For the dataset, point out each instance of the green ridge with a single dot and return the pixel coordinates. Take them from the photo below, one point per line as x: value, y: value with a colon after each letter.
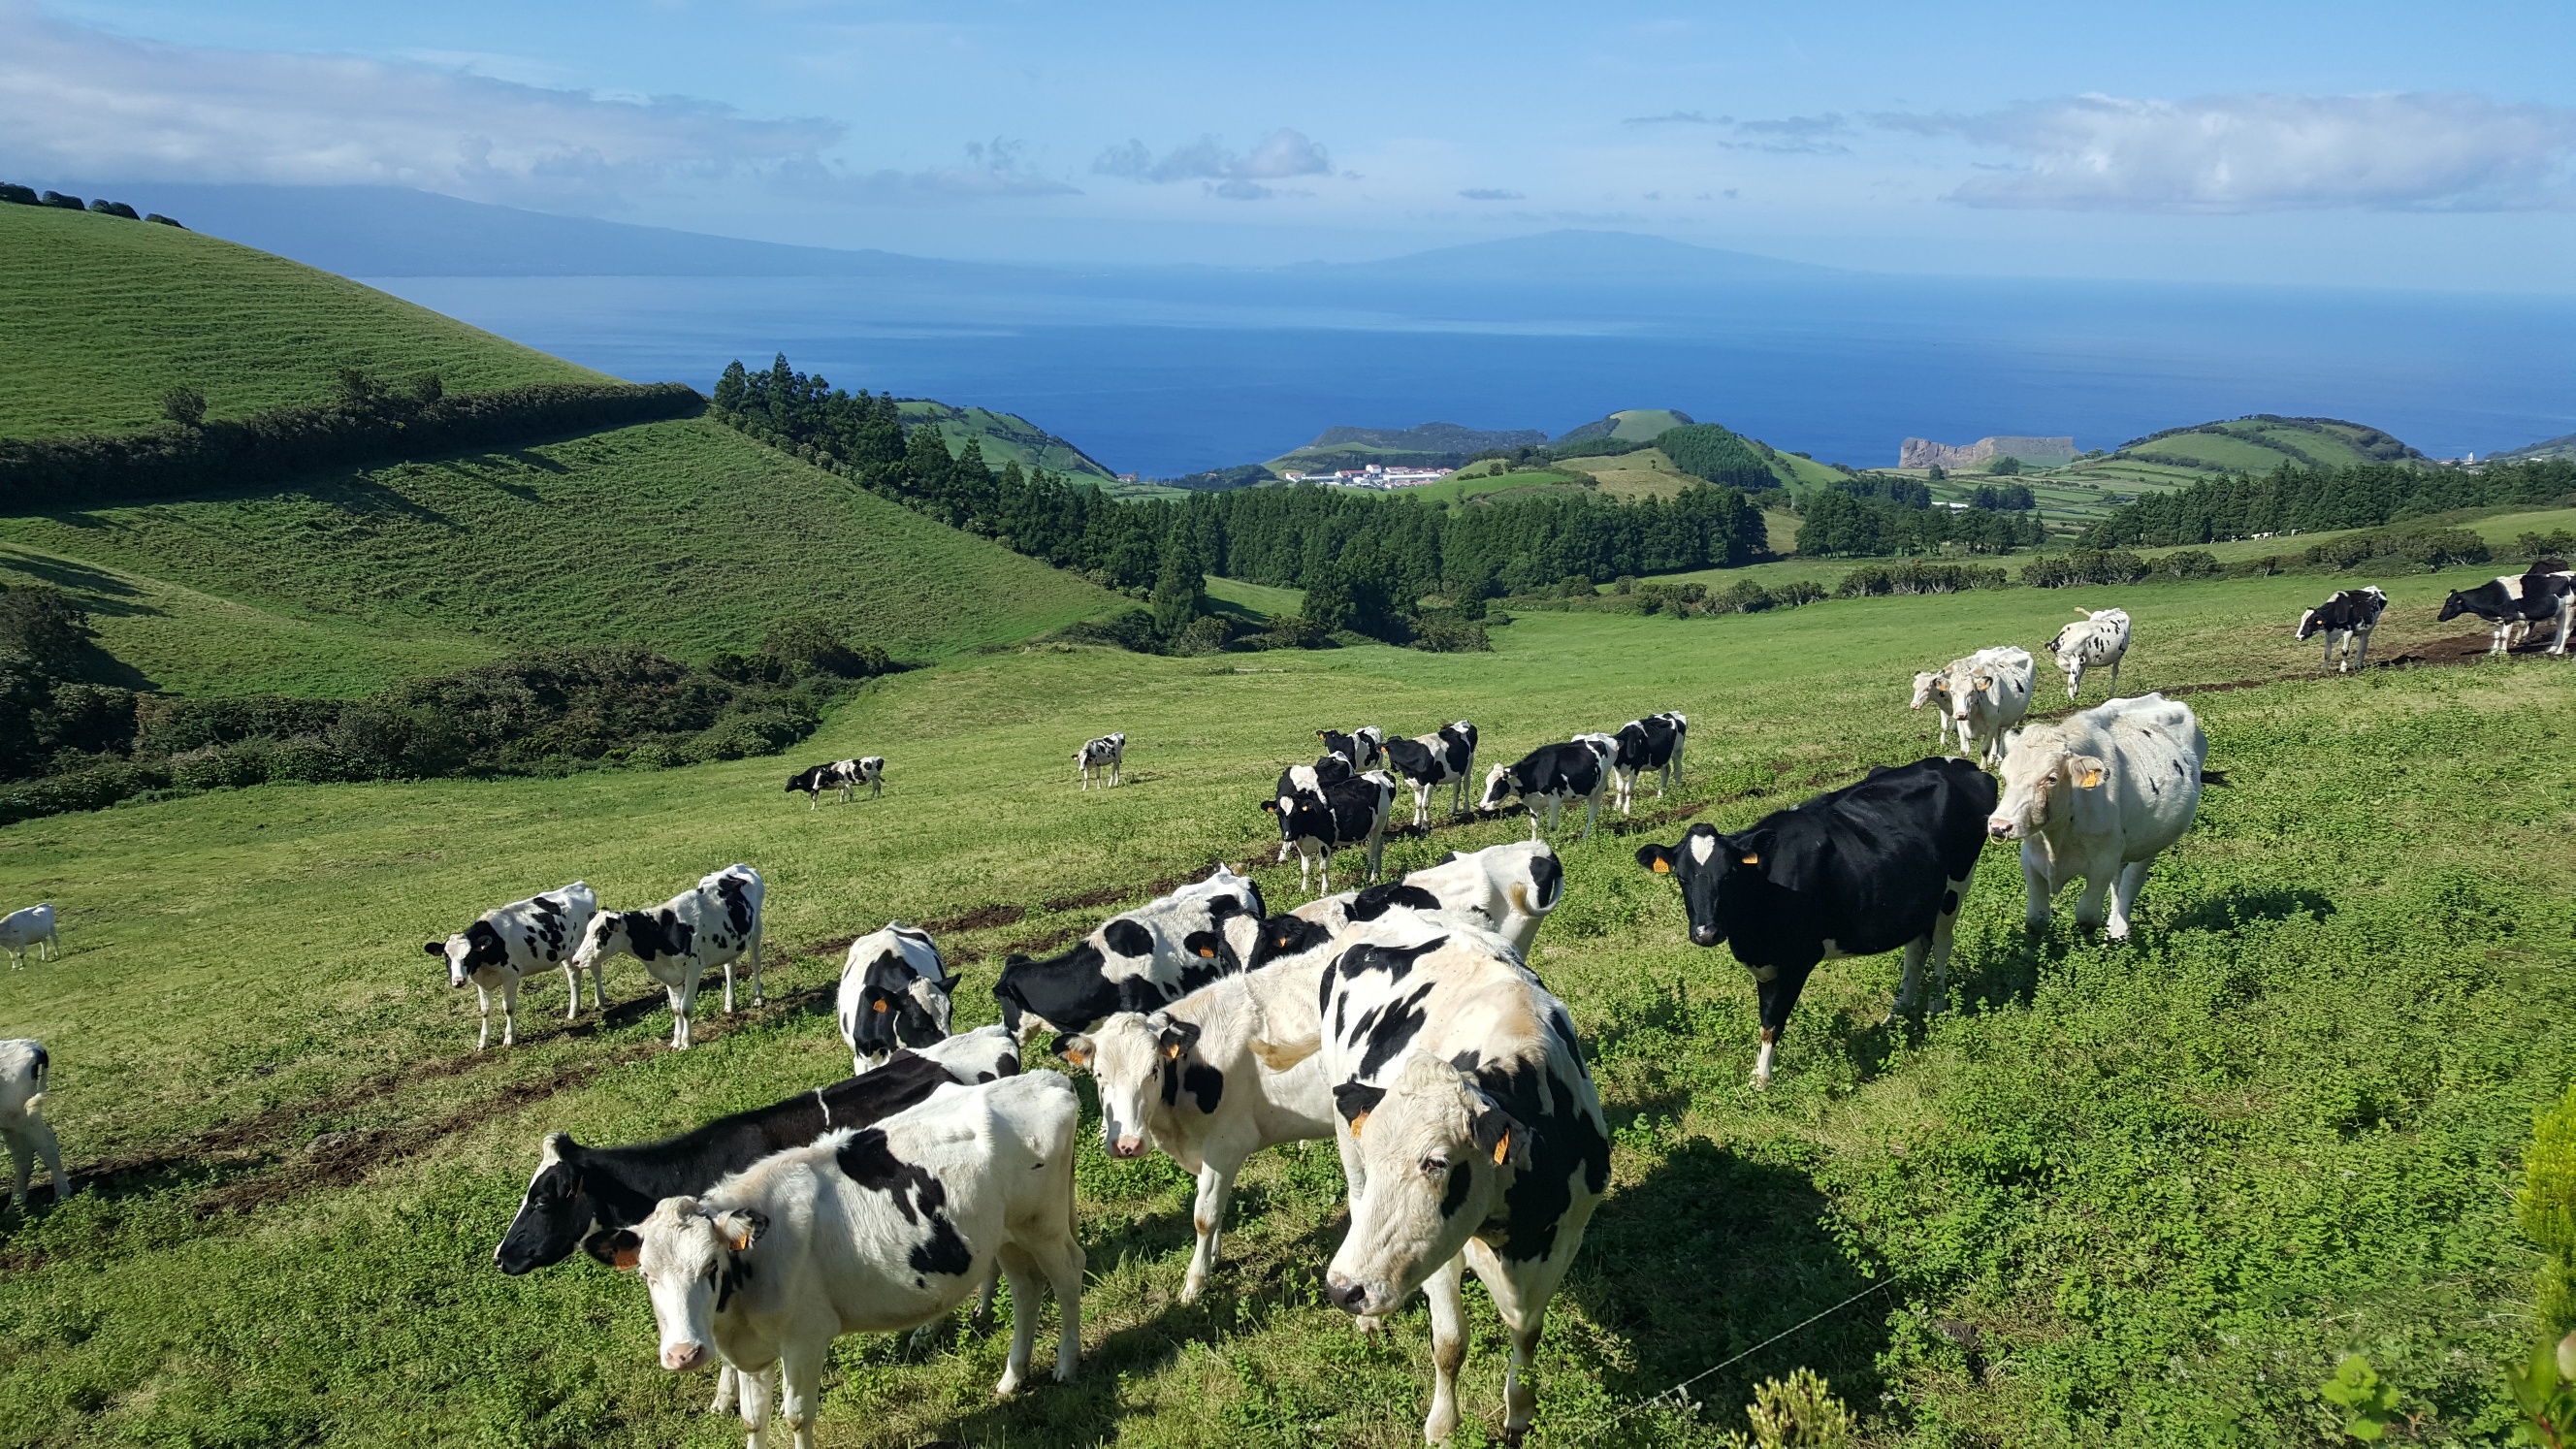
x: 1006, y: 438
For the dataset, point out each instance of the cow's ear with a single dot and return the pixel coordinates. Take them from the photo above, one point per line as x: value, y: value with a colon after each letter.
x: 949, y: 984
x: 619, y: 1248
x: 1269, y: 807
x: 2087, y: 772
x: 1355, y: 1101
x: 1751, y: 848
x: 436, y: 948
x: 1074, y: 1048
x: 1177, y: 1038
x: 1656, y: 858
x: 1501, y: 1136
x: 741, y: 1228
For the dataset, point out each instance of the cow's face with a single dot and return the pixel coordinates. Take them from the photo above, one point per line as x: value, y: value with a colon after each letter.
x: 469, y: 951
x: 553, y: 1216
x: 2453, y: 607
x: 1718, y: 875
x: 1501, y: 788
x: 1283, y: 936
x: 2041, y: 786
x: 605, y: 936
x: 2309, y: 624
x: 1304, y: 817
x: 1137, y: 1062
x: 1438, y: 1153
x: 1930, y: 685
x: 692, y: 1263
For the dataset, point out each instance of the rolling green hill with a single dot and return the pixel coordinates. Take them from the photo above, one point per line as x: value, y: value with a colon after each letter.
x: 103, y: 316
x: 2262, y: 442
x: 1008, y: 438
x: 1629, y: 425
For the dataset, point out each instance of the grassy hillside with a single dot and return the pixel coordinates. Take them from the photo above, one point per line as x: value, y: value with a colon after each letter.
x: 1629, y: 425
x: 1008, y: 438
x: 682, y: 535
x: 106, y: 315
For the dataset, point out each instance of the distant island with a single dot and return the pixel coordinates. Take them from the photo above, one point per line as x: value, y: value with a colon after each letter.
x: 1924, y: 453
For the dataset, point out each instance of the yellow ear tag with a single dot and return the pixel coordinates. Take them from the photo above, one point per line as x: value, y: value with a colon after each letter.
x: 1356, y: 1123
x: 742, y: 1244
x: 878, y: 1006
x: 1502, y: 1148
x: 1208, y: 951
x: 2091, y: 779
x: 1752, y: 860
x: 1663, y: 866
x: 1173, y: 1051
x: 1078, y: 1058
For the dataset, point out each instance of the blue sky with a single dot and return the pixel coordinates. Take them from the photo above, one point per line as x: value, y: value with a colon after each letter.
x: 2363, y: 144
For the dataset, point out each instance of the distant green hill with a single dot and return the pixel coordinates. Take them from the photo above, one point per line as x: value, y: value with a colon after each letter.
x: 1426, y: 445
x: 2264, y: 441
x: 2552, y: 448
x: 1006, y: 438
x: 1631, y: 425
x: 104, y: 316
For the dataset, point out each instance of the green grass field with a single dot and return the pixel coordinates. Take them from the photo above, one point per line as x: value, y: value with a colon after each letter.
x: 103, y: 316
x: 2166, y: 1184
x: 1255, y: 601
x: 1459, y: 487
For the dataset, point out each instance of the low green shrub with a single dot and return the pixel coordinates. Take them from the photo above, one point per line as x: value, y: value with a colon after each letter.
x: 1917, y: 577
x: 2547, y: 1208
x: 2084, y: 566
x: 2426, y: 548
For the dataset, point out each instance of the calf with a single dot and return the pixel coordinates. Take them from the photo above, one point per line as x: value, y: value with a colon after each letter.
x: 1298, y: 781
x: 715, y: 924
x: 1989, y: 692
x: 1653, y: 743
x: 881, y: 1228
x: 1470, y: 1134
x: 2096, y: 795
x: 1932, y: 687
x: 1861, y: 870
x: 510, y: 942
x: 24, y: 1068
x: 1427, y: 762
x: 2346, y: 620
x: 1353, y: 812
x: 1136, y: 961
x: 895, y: 992
x: 1364, y: 747
x: 845, y: 776
x: 1553, y: 776
x: 33, y: 926
x: 2099, y: 638
x: 1104, y: 754
x: 2513, y: 600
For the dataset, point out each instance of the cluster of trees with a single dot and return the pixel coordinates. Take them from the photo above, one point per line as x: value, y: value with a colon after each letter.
x: 1723, y: 457
x: 2425, y: 548
x: 1833, y: 522
x: 14, y: 194
x: 2297, y: 498
x: 2003, y: 498
x: 1914, y: 576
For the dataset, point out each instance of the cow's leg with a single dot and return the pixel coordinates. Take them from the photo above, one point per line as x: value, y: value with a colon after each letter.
x: 2088, y: 905
x: 2124, y: 897
x: 510, y: 1012
x: 22, y: 1163
x: 800, y: 1385
x: 758, y: 996
x: 1217, y: 1167
x: 572, y: 991
x: 2038, y: 890
x: 1448, y: 1348
x: 483, y: 998
x: 757, y: 1401
x: 2363, y: 662
x: 1912, y: 980
x: 1775, y: 991
x: 1021, y: 1269
x: 1591, y: 815
x: 1060, y: 1259
x: 684, y: 1004
x: 1945, y: 929
x: 1376, y: 850
x: 726, y: 1392
x: 982, y: 1319
x: 2115, y: 671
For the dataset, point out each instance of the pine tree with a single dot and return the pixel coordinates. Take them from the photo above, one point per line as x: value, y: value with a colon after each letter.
x: 729, y: 388
x: 1180, y: 589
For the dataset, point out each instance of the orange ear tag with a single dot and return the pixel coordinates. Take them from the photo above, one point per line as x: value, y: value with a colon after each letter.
x: 878, y: 1006
x: 1356, y: 1123
x: 1502, y: 1148
x: 1662, y: 866
x: 1752, y: 860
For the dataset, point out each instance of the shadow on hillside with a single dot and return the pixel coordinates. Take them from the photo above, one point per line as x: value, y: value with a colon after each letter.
x: 2238, y: 906
x: 107, y: 594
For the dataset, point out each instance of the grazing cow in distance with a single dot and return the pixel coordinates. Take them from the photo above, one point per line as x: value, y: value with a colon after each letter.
x: 24, y: 1070
x: 1653, y: 743
x: 1554, y: 776
x: 2099, y: 638
x: 895, y: 992
x: 715, y: 924
x: 1861, y: 870
x: 1427, y: 762
x: 507, y: 943
x: 1353, y: 812
x: 32, y: 926
x: 1298, y: 781
x: 1138, y: 960
x: 1104, y: 754
x: 1989, y: 692
x: 2513, y: 600
x: 1471, y: 1139
x: 2346, y: 620
x: 2097, y: 795
x: 845, y: 776
x: 869, y: 1230
x: 1364, y: 747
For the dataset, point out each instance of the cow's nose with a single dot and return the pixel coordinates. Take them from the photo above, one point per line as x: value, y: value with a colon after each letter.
x: 1999, y: 829
x: 1704, y: 935
x: 1348, y: 1296
x: 1127, y: 1147
x: 679, y: 1358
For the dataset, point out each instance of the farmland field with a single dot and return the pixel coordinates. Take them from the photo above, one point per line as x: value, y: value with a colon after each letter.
x: 2136, y: 1195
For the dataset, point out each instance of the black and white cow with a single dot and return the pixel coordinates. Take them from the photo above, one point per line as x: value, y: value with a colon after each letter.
x: 1350, y: 813
x: 715, y: 924
x: 1136, y: 961
x: 1471, y: 1138
x: 1864, y: 869
x: 509, y: 942
x: 1427, y: 762
x: 884, y: 1228
x: 1653, y: 743
x: 1554, y: 776
x: 2515, y: 600
x: 1506, y: 889
x: 845, y: 776
x: 2100, y: 637
x: 1364, y: 747
x: 24, y: 1071
x: 2346, y: 620
x: 1298, y: 781
x: 1104, y: 755
x: 895, y: 992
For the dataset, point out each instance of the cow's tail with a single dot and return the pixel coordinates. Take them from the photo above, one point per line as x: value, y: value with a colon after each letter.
x: 2216, y: 777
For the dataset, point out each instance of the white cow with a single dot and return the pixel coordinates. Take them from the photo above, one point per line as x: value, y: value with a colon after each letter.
x: 715, y: 924
x: 2096, y: 795
x: 508, y: 943
x: 1932, y: 687
x: 24, y: 1068
x: 2100, y: 637
x: 1989, y: 692
x: 895, y: 992
x: 870, y: 1230
x: 33, y: 926
x: 1104, y: 755
x: 1506, y: 889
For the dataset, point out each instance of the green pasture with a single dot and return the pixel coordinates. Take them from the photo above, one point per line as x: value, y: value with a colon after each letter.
x: 1254, y: 602
x: 2134, y: 1195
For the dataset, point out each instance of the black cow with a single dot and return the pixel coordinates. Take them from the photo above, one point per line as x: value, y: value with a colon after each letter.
x: 1653, y: 743
x: 2517, y: 599
x: 1864, y: 869
x: 1316, y: 823
x: 1364, y: 747
x: 1140, y: 960
x: 1301, y: 780
x: 2346, y: 620
x: 1427, y: 762
x: 1554, y: 776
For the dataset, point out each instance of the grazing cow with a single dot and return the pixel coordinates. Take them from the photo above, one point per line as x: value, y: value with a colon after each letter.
x: 2096, y: 795
x: 1653, y: 743
x: 1427, y: 762
x: 510, y: 942
x: 1214, y: 1077
x: 33, y: 926
x: 2099, y: 638
x: 845, y: 776
x: 876, y: 1229
x: 1470, y: 1134
x: 1105, y: 754
x: 2511, y: 601
x: 1298, y: 781
x: 1932, y: 687
x: 1364, y: 747
x: 715, y: 924
x: 1864, y: 869
x: 1506, y: 889
x: 1989, y: 692
x: 1353, y: 812
x: 24, y: 1068
x: 2346, y: 620
x: 1554, y: 776
x: 1136, y: 961
x: 895, y: 992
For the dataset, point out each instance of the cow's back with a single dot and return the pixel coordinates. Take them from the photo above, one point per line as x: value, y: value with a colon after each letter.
x: 2157, y: 747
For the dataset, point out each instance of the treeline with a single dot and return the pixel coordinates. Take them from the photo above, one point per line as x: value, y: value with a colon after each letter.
x: 1835, y: 522
x: 2296, y: 498
x: 371, y: 422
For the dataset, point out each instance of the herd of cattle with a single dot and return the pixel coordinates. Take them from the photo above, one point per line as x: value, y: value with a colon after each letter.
x: 1400, y: 1020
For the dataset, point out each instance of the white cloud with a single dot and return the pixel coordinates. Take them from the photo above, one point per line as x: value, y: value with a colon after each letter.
x: 1789, y: 136
x: 1235, y: 177
x: 76, y: 102
x: 2256, y: 153
x: 993, y: 168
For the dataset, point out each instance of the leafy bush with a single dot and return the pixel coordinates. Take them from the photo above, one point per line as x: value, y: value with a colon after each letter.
x: 2547, y: 1207
x: 222, y: 767
x: 1206, y: 634
x: 2556, y: 543
x: 1747, y: 597
x: 2427, y: 548
x: 2003, y: 465
x: 91, y: 789
x: 1448, y: 633
x: 2084, y: 566
x: 1799, y: 1412
x: 2188, y: 563
x: 1917, y: 577
x: 2003, y: 498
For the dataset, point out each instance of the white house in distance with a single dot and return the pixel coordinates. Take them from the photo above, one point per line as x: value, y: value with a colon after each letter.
x: 1375, y: 475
